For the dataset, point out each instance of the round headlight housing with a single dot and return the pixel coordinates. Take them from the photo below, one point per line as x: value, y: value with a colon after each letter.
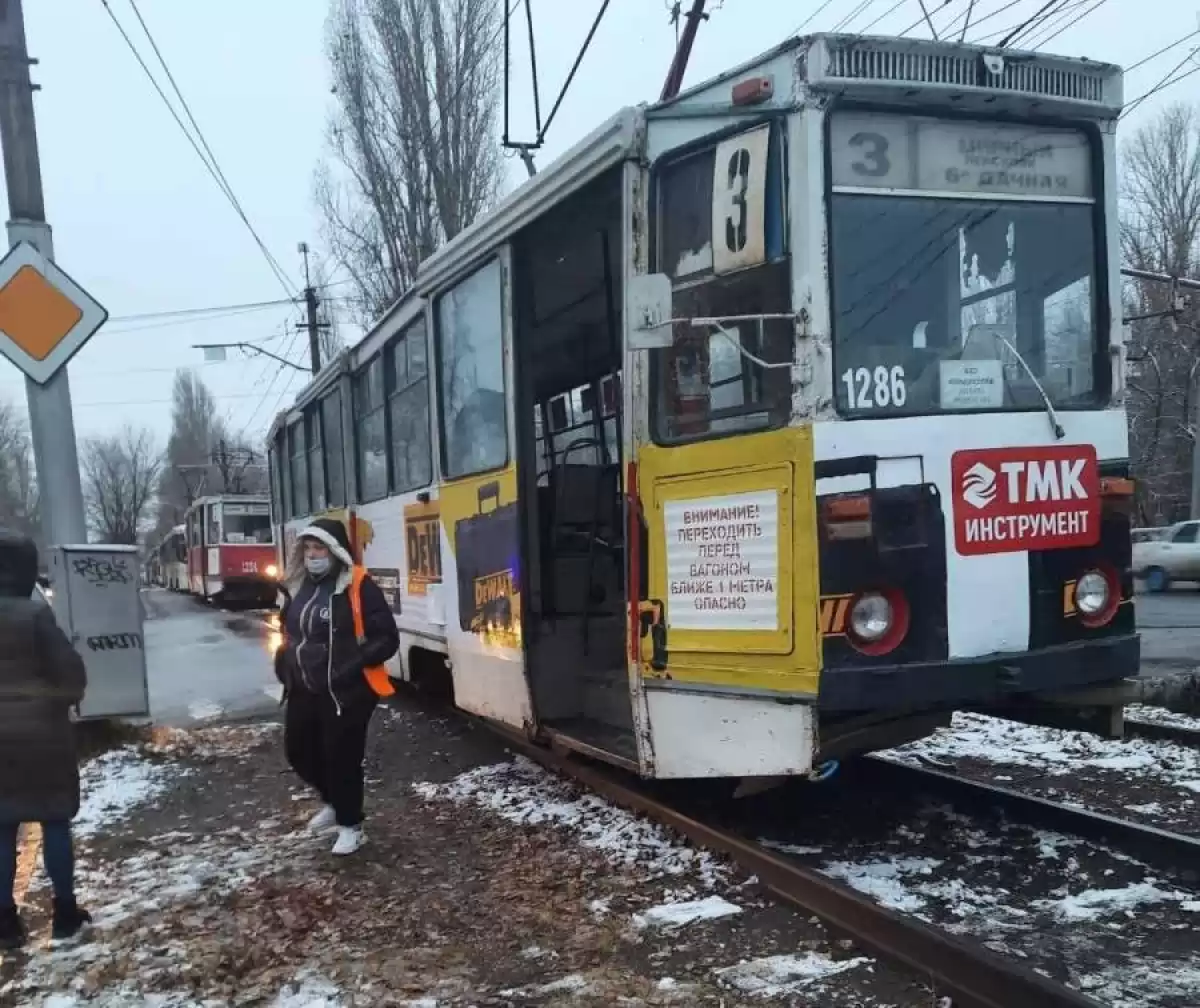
x: 1092, y: 593
x: 871, y: 617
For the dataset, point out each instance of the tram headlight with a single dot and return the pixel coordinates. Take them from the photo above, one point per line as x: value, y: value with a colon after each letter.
x: 272, y: 571
x: 1092, y: 593
x: 1096, y: 598
x: 871, y: 617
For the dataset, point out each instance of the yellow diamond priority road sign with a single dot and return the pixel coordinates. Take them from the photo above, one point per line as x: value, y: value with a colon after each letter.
x: 45, y: 316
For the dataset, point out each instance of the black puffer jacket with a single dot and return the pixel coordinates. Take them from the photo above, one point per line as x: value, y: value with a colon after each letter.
x: 342, y: 655
x: 41, y: 679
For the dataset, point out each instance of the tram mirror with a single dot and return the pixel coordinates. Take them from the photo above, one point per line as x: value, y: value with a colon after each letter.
x: 649, y: 310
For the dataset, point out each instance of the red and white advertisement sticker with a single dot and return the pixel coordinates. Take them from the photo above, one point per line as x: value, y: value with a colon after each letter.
x: 1011, y: 499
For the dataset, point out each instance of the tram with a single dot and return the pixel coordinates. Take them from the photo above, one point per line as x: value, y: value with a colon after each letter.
x: 230, y: 550
x: 168, y: 561
x: 767, y: 426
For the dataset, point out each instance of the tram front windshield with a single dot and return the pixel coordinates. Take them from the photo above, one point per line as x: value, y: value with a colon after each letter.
x: 963, y: 266
x: 242, y: 529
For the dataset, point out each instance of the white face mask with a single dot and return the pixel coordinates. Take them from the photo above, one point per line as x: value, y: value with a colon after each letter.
x: 318, y: 567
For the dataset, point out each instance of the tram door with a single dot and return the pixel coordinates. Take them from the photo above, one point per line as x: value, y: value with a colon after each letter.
x: 567, y: 270
x: 724, y: 482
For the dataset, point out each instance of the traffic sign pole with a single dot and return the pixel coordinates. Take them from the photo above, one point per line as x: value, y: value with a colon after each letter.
x: 51, y: 420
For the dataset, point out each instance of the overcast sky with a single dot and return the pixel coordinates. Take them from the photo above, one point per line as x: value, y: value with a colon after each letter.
x: 140, y: 224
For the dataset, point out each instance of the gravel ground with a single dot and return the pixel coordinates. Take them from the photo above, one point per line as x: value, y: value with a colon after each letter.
x: 486, y: 882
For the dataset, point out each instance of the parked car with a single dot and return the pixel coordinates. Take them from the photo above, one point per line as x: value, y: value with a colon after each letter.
x: 1171, y: 555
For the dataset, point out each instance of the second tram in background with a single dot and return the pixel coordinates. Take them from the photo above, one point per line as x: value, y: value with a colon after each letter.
x: 230, y: 549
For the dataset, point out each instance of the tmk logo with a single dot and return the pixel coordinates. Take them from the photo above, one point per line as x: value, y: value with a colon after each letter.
x: 979, y: 485
x: 1025, y: 482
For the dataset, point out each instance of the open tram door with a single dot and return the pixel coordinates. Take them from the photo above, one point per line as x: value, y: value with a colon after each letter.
x: 567, y: 301
x: 723, y: 579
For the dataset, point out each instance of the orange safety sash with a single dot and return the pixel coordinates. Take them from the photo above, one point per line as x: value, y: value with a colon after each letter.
x: 377, y: 675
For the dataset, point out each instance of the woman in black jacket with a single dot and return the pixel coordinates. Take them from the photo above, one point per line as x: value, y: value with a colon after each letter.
x: 338, y: 630
x: 41, y: 679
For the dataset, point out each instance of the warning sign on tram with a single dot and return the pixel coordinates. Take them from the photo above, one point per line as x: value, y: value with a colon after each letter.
x: 1012, y: 499
x: 45, y: 316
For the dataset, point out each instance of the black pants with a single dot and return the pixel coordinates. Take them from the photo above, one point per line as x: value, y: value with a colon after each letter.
x: 326, y: 748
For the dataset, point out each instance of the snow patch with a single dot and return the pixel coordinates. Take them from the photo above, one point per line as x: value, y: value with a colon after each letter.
x: 1160, y: 715
x: 522, y: 792
x: 114, y: 784
x: 678, y: 914
x: 309, y: 991
x: 1092, y: 904
x: 778, y: 975
x: 884, y: 881
x: 1052, y: 751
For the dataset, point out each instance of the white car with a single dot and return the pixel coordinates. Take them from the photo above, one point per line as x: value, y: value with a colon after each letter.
x: 1172, y: 555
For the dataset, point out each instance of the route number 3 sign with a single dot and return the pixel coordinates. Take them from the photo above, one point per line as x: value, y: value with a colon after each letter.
x: 739, y: 201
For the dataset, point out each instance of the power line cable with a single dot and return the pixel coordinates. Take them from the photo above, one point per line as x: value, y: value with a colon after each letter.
x: 1036, y: 17
x: 213, y: 168
x: 1169, y: 81
x: 1162, y: 52
x: 852, y: 15
x: 891, y: 10
x: 812, y: 17
x: 1061, y: 24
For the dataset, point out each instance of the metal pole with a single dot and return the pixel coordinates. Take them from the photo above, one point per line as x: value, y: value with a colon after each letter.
x: 312, y: 325
x: 683, y: 51
x: 51, y: 421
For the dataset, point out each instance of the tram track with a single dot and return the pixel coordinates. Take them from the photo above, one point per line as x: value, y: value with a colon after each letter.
x: 1158, y: 731
x: 960, y: 974
x: 1173, y: 854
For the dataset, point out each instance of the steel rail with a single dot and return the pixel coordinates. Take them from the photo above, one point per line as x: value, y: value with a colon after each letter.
x: 1158, y: 731
x: 960, y: 975
x: 1172, y: 853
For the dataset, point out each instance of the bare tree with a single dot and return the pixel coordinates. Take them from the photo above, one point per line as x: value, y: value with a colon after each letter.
x: 18, y: 487
x: 1160, y: 232
x: 332, y: 341
x: 188, y: 471
x: 414, y: 152
x: 120, y: 476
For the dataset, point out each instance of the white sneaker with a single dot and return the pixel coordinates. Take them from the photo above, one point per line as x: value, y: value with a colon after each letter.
x: 349, y: 839
x: 324, y: 820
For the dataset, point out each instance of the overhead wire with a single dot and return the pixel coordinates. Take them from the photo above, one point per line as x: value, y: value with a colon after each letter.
x: 1168, y: 81
x: 1068, y: 19
x: 852, y: 15
x: 891, y: 10
x: 1035, y: 18
x: 212, y: 166
x: 812, y: 17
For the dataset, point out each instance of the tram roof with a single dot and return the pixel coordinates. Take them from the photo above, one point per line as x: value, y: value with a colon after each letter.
x: 832, y: 63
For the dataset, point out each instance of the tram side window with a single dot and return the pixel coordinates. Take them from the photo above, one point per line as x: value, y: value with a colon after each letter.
x: 721, y: 221
x: 470, y: 344
x: 408, y: 409
x: 371, y: 431
x: 299, y: 468
x: 334, y: 462
x: 316, y: 457
x: 214, y: 524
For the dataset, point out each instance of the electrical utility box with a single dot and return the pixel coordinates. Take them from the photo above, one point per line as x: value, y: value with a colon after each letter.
x: 97, y: 602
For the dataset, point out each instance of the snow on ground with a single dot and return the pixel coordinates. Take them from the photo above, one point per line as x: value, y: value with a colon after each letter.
x: 678, y: 914
x: 779, y: 975
x: 1160, y: 715
x: 114, y: 784
x: 522, y: 792
x: 1053, y: 751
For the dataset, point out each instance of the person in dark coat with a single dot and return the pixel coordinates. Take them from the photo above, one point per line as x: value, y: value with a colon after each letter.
x: 337, y: 632
x: 41, y: 678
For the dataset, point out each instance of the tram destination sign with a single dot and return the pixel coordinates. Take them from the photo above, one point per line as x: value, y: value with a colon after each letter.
x: 917, y: 154
x: 1036, y: 498
x: 45, y: 316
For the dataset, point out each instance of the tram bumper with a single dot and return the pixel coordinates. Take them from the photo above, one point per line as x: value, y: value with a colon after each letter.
x: 987, y: 680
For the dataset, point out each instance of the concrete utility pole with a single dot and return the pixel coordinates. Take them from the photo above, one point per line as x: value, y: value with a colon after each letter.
x: 313, y: 326
x: 51, y: 421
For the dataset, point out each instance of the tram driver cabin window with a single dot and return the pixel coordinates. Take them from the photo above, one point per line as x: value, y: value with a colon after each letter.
x: 721, y: 213
x: 470, y: 344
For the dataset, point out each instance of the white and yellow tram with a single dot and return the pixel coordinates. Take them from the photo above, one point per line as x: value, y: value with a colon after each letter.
x: 767, y: 425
